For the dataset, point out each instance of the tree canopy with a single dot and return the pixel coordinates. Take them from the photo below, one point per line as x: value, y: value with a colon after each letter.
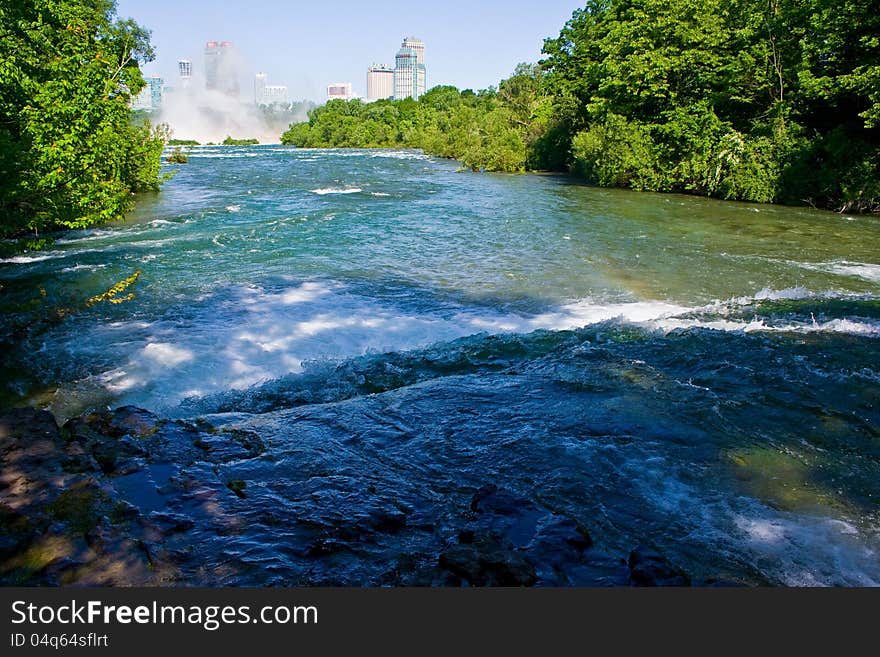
x: 759, y: 100
x: 762, y: 100
x: 491, y: 129
x: 70, y: 156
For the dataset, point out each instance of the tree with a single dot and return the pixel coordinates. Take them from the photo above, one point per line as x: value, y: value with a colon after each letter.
x: 69, y: 154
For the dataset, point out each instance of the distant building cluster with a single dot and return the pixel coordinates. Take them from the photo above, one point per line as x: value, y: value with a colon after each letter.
x: 407, y: 79
x: 150, y: 97
x: 269, y: 94
x: 339, y: 91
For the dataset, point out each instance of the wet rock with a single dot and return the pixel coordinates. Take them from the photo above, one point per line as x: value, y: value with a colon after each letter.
x: 111, y: 446
x: 61, y: 519
x: 649, y: 568
x: 132, y: 421
x: 81, y: 507
x: 171, y: 523
x: 227, y: 446
x: 487, y: 561
x: 237, y: 486
x: 387, y: 521
x: 29, y: 439
x: 16, y: 530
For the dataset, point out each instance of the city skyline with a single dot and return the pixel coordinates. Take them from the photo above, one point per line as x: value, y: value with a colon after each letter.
x: 473, y: 45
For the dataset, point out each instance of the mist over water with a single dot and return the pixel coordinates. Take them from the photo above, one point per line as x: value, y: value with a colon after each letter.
x: 211, y: 115
x: 689, y: 374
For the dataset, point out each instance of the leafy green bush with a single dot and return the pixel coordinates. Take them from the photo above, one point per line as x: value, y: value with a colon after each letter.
x: 229, y: 141
x: 177, y: 156
x: 616, y: 153
x: 69, y: 154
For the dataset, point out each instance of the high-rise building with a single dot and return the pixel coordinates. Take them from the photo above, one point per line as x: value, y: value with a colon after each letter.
x: 416, y: 44
x: 380, y: 82
x: 410, y: 75
x: 260, y: 81
x: 185, y: 71
x: 150, y: 97
x: 155, y: 84
x: 339, y: 91
x: 221, y: 68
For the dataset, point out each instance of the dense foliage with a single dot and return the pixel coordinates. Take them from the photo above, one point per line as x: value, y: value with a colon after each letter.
x: 761, y: 100
x: 492, y: 129
x: 70, y: 155
x: 765, y: 100
x: 231, y: 141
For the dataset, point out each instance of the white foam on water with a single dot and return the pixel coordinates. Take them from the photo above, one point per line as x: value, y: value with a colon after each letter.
x: 864, y: 270
x: 23, y: 259
x: 667, y: 317
x: 247, y: 335
x: 336, y: 190
x: 788, y: 294
x: 233, y: 208
x: 577, y: 315
x: 214, y: 155
x: 83, y: 268
x: 401, y: 155
x: 852, y: 327
x: 810, y: 550
x: 85, y: 236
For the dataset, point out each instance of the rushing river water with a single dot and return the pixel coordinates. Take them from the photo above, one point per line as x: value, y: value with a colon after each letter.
x: 698, y: 376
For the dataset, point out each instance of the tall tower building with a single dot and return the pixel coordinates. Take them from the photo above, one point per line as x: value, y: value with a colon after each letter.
x: 221, y: 68
x: 416, y: 44
x: 380, y: 82
x: 185, y: 71
x: 410, y: 75
x: 155, y: 85
x: 212, y: 64
x: 260, y: 80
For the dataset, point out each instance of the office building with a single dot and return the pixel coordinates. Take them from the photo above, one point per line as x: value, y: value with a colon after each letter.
x: 380, y: 82
x: 150, y: 97
x: 221, y: 68
x: 339, y: 91
x: 260, y: 83
x: 410, y: 75
x: 269, y: 94
x: 416, y: 44
x: 185, y: 72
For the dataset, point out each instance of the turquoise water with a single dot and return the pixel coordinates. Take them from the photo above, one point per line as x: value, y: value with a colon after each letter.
x: 695, y: 375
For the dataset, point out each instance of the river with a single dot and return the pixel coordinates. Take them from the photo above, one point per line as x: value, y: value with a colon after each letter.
x: 697, y: 376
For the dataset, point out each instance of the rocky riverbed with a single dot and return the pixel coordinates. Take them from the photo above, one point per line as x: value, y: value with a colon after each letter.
x: 123, y: 498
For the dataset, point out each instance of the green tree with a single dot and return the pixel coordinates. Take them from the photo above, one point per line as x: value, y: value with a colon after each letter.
x: 746, y: 99
x: 69, y: 154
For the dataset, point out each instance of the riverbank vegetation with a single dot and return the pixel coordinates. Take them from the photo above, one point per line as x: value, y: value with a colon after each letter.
x: 230, y: 141
x: 757, y: 100
x: 70, y: 155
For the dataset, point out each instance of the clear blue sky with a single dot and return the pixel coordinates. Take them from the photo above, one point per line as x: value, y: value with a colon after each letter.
x: 307, y: 45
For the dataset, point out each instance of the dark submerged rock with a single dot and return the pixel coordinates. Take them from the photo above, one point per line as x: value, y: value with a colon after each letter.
x: 649, y: 568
